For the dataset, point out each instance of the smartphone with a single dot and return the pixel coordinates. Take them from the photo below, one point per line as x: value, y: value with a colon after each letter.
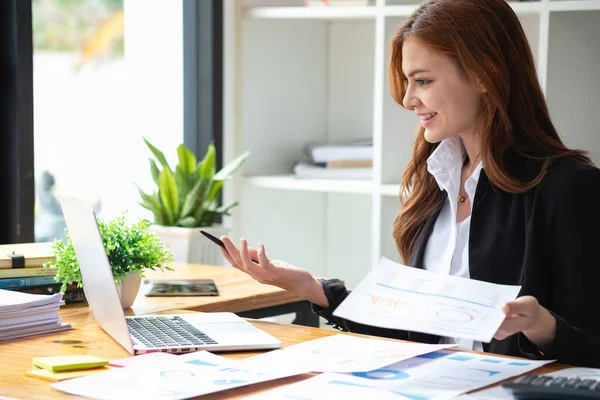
x: 218, y: 241
x: 180, y: 287
x: 213, y: 239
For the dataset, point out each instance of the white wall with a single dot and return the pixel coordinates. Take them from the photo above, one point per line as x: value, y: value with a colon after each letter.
x: 573, y: 85
x: 305, y: 81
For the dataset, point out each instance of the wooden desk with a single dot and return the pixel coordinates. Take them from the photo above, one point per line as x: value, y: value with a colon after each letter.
x: 88, y: 338
x: 239, y: 293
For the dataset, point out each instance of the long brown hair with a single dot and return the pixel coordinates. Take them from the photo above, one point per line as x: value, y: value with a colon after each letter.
x: 486, y: 40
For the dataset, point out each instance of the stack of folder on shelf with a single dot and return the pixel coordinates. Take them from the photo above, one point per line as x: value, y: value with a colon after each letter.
x: 338, y: 160
x: 25, y: 314
x: 22, y: 270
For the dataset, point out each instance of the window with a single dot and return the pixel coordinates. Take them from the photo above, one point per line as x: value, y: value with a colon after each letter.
x: 106, y: 74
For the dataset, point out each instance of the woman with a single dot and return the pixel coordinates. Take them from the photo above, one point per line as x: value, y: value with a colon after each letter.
x: 491, y: 193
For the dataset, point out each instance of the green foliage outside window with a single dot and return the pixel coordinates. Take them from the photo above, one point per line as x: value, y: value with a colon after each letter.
x: 70, y: 25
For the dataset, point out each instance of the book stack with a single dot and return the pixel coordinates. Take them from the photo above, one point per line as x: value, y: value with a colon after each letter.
x: 24, y: 314
x: 340, y: 160
x: 21, y: 270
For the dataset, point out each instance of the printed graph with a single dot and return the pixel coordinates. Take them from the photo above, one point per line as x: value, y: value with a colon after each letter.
x: 425, y: 294
x: 434, y: 355
x: 177, y: 374
x: 331, y: 351
x: 201, y: 363
x: 398, y: 297
x: 455, y: 315
x: 404, y: 394
x: 386, y: 374
x: 346, y: 356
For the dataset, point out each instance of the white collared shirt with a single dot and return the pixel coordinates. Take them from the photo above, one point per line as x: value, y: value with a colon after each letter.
x: 447, y: 250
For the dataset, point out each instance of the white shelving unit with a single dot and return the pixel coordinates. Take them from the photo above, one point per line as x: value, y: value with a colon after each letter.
x: 298, y: 74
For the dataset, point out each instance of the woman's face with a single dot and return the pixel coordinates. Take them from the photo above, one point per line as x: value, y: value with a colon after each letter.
x: 439, y: 93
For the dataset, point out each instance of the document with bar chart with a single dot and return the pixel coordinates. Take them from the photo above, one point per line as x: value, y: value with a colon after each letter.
x: 399, y: 297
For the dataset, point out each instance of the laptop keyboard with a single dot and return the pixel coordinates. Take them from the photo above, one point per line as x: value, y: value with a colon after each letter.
x: 166, y: 332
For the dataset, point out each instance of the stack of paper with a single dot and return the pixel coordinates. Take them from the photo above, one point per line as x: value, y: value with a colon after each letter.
x: 24, y: 314
x: 337, y: 160
x: 353, y: 366
x: 313, y: 171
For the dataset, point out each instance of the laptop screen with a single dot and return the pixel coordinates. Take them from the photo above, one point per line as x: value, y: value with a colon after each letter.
x: 96, y: 272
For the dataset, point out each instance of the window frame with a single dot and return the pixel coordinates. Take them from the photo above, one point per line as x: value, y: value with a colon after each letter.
x: 203, y: 103
x: 16, y: 122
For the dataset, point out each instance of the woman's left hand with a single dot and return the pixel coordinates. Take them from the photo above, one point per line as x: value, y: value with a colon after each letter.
x: 526, y: 315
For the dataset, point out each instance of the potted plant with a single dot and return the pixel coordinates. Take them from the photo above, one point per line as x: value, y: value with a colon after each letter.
x: 185, y: 199
x: 131, y: 249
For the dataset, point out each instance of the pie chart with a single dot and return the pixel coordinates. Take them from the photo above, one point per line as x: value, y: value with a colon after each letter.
x: 387, y: 374
x: 229, y: 382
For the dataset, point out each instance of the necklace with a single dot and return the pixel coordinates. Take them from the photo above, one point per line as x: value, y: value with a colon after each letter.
x: 461, y: 197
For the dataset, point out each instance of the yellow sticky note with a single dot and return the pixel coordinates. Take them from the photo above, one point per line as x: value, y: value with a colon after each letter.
x: 69, y: 363
x: 61, y: 376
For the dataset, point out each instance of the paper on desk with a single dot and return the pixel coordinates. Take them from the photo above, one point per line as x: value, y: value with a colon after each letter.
x: 326, y: 386
x: 577, y: 372
x: 445, y: 374
x: 148, y: 358
x: 495, y: 393
x: 341, y: 353
x: 37, y: 309
x: 183, y: 377
x: 399, y: 297
x: 208, y: 360
x: 25, y: 314
x: 433, y: 376
x: 11, y: 300
x: 50, y: 320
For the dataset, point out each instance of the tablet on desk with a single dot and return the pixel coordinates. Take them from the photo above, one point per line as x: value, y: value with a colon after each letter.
x: 180, y: 287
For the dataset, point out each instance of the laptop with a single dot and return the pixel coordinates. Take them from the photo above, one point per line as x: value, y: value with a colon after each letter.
x: 173, y: 333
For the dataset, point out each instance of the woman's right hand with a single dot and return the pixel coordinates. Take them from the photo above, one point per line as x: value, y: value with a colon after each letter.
x: 274, y: 272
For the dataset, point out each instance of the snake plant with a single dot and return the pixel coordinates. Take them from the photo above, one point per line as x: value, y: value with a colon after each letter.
x: 187, y: 196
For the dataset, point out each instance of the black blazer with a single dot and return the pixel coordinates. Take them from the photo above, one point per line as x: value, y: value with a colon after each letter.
x: 547, y: 240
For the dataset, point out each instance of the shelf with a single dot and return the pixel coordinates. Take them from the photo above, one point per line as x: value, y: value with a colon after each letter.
x: 365, y: 12
x: 398, y: 11
x: 370, y: 12
x: 525, y: 7
x: 289, y: 182
x: 574, y: 5
x: 519, y: 8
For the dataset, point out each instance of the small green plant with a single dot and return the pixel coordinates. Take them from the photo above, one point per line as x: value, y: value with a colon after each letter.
x: 187, y: 196
x: 129, y: 247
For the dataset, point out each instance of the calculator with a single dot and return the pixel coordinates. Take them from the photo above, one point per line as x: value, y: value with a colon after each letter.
x: 542, y: 387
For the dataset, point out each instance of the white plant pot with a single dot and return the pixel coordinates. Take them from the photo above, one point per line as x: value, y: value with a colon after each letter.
x: 188, y: 245
x: 129, y: 288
